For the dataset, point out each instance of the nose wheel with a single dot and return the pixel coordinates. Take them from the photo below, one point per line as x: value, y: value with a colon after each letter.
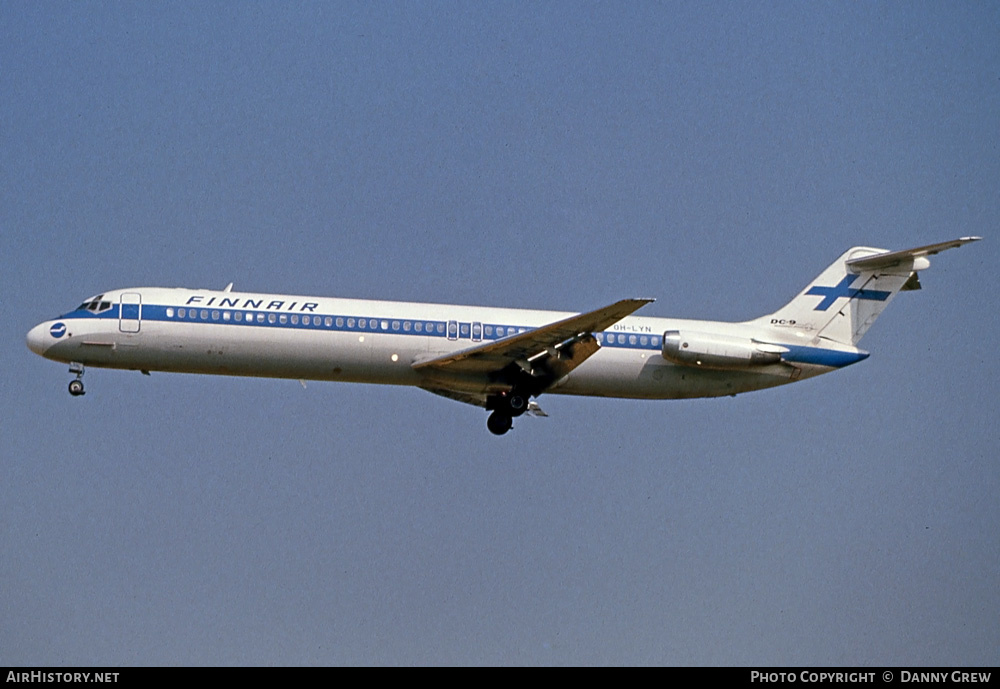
x: 76, y: 385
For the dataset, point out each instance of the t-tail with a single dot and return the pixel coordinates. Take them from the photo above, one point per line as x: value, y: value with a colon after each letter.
x: 842, y: 303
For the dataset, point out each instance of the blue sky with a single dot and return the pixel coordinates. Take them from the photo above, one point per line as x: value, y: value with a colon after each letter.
x: 716, y: 156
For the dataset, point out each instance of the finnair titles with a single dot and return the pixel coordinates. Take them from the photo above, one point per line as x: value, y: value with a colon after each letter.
x: 498, y: 359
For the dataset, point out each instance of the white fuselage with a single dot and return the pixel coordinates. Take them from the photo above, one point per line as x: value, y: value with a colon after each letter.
x: 318, y: 338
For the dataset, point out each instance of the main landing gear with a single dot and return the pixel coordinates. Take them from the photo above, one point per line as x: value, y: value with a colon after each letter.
x: 505, y: 407
x: 76, y: 385
x: 499, y: 423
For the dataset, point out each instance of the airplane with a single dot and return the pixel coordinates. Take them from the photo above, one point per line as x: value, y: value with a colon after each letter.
x: 494, y: 358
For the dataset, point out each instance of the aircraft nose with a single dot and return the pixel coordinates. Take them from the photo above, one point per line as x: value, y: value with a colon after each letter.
x: 42, y: 335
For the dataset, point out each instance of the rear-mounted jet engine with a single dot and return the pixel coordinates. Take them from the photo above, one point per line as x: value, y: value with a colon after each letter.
x: 707, y: 350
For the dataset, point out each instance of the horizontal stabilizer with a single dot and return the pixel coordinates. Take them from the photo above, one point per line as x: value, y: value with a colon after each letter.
x: 891, y: 259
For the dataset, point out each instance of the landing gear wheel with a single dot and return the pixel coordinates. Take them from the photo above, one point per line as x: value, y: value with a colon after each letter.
x: 499, y: 423
x: 76, y: 387
x: 517, y: 403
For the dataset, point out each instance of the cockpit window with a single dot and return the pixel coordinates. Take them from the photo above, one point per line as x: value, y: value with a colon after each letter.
x: 95, y: 305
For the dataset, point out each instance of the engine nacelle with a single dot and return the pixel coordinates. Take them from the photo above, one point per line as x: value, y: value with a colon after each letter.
x: 708, y: 350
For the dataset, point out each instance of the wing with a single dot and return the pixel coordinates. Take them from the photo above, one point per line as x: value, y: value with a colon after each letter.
x: 495, y: 356
x: 545, y: 355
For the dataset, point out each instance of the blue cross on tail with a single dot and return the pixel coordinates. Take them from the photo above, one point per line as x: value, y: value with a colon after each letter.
x: 843, y: 289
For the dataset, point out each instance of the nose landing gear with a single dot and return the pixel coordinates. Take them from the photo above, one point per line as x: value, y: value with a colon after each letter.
x: 76, y: 385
